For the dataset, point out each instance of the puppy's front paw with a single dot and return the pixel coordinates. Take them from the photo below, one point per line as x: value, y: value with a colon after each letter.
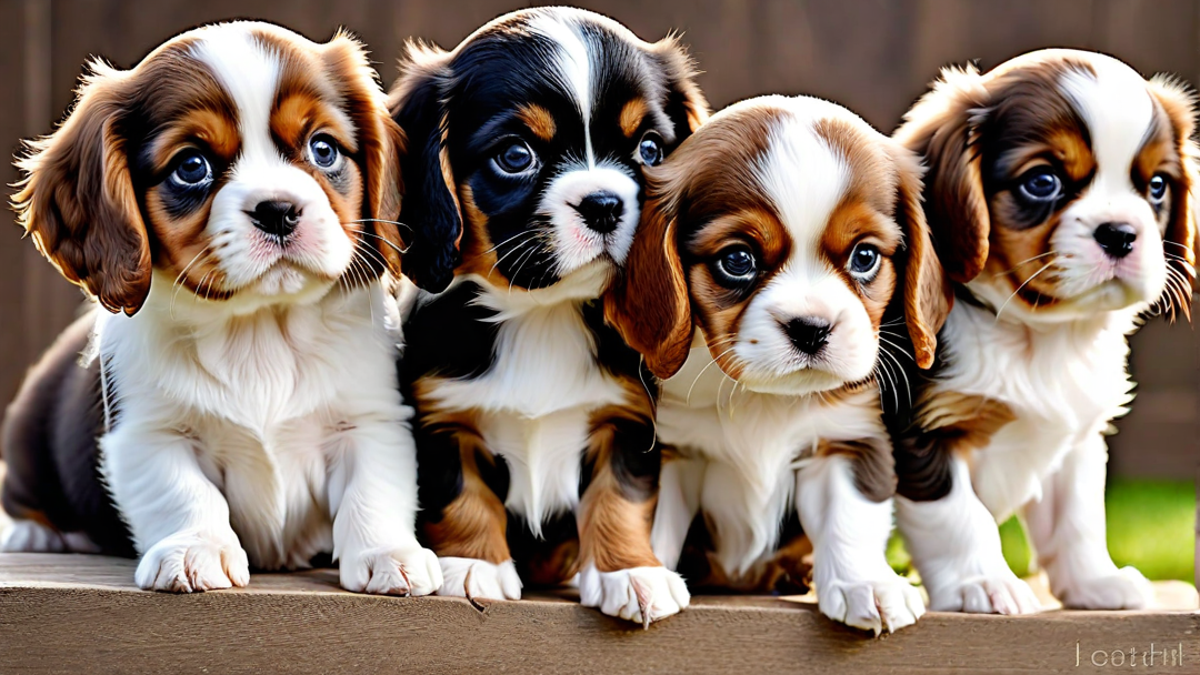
x: 640, y: 594
x: 1001, y: 593
x: 890, y: 602
x: 189, y: 562
x: 473, y: 578
x: 1127, y: 589
x: 406, y: 571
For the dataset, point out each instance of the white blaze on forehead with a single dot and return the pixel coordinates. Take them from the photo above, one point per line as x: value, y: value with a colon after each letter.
x: 1117, y: 109
x: 574, y: 68
x: 804, y: 176
x: 249, y: 72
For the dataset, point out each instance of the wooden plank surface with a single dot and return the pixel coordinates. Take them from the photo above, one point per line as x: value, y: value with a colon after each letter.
x: 74, y: 614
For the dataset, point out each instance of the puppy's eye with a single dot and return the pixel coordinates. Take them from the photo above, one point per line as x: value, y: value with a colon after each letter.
x: 1041, y: 185
x: 735, y: 266
x: 1157, y: 188
x: 516, y: 157
x: 650, y: 149
x: 864, y: 262
x: 192, y: 169
x: 324, y: 151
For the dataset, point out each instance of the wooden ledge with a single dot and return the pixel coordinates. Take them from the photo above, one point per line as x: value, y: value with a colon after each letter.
x: 76, y: 614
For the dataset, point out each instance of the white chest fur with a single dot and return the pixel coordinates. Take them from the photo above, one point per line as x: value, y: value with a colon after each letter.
x: 533, y: 405
x: 1062, y: 382
x: 744, y: 449
x: 264, y: 399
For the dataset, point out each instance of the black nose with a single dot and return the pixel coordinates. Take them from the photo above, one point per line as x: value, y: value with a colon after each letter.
x: 277, y: 218
x: 1115, y: 238
x: 809, y: 334
x: 601, y: 211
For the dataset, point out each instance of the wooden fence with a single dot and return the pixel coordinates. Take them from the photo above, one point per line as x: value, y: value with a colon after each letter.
x: 874, y: 56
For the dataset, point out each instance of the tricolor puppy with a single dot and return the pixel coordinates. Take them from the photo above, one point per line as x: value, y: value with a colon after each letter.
x: 1058, y: 193
x: 226, y: 201
x: 773, y: 244
x: 528, y: 145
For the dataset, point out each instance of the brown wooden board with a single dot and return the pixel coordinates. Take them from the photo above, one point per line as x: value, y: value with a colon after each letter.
x: 80, y: 614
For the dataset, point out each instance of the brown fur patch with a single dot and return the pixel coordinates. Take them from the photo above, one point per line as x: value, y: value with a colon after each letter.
x: 964, y: 421
x: 539, y: 120
x: 632, y: 114
x: 871, y: 459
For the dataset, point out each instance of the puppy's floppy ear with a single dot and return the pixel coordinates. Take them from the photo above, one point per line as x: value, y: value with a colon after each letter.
x: 430, y: 206
x: 686, y: 106
x: 381, y: 145
x: 648, y: 303
x: 77, y: 200
x: 941, y: 129
x: 1179, y: 241
x: 928, y: 295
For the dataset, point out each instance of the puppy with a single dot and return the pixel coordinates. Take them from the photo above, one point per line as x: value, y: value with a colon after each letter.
x: 772, y: 243
x: 1058, y: 193
x: 228, y: 202
x: 528, y: 144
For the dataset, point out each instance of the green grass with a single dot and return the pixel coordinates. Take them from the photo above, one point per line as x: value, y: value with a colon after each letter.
x: 1151, y: 525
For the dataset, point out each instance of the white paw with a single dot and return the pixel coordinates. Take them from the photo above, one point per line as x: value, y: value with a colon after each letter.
x: 641, y: 594
x: 406, y: 571
x: 188, y: 562
x: 1126, y: 589
x: 890, y: 602
x: 27, y: 536
x: 992, y: 594
x: 479, y: 579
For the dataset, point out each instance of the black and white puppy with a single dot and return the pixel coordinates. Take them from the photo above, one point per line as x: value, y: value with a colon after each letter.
x: 528, y: 144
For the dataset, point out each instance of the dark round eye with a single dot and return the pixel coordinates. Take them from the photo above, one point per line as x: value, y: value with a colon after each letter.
x: 1157, y: 188
x: 324, y: 151
x: 1041, y: 185
x: 192, y: 169
x: 864, y: 260
x: 516, y: 157
x: 650, y: 149
x: 736, y: 265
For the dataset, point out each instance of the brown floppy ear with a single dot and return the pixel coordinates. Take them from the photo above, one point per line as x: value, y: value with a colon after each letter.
x: 1179, y: 241
x: 941, y: 129
x: 928, y: 295
x: 648, y: 303
x: 686, y: 106
x: 382, y: 146
x: 77, y: 202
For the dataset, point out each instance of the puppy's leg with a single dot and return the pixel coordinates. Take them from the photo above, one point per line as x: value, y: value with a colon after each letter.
x: 1069, y: 534
x: 845, y: 507
x: 373, y: 502
x: 469, y: 531
x: 619, y: 573
x: 678, y: 502
x: 179, y: 519
x: 955, y: 545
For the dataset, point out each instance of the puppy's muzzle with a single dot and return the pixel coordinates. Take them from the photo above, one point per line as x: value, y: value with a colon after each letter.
x: 1115, y: 239
x: 277, y: 218
x: 601, y: 211
x: 808, y: 334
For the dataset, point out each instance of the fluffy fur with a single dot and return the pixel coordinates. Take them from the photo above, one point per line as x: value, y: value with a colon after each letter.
x: 535, y: 427
x: 229, y: 201
x: 1059, y: 192
x: 774, y: 243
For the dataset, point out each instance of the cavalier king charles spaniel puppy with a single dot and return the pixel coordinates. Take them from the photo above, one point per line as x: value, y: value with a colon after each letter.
x: 229, y: 201
x: 528, y: 143
x: 779, y: 247
x: 1058, y: 195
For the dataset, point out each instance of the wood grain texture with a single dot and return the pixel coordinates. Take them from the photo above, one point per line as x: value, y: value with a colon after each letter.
x: 74, y: 614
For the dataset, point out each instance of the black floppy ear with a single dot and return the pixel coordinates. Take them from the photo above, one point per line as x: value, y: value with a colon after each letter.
x: 430, y: 205
x: 686, y: 106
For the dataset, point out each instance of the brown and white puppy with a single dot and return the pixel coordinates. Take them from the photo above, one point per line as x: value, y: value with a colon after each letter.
x: 228, y: 202
x: 529, y: 141
x: 773, y: 243
x: 1059, y: 195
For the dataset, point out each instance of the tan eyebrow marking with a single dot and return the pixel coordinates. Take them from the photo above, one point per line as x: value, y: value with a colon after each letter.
x: 632, y: 115
x: 539, y: 120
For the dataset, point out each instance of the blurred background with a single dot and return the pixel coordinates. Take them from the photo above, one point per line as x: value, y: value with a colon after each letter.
x: 874, y: 56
